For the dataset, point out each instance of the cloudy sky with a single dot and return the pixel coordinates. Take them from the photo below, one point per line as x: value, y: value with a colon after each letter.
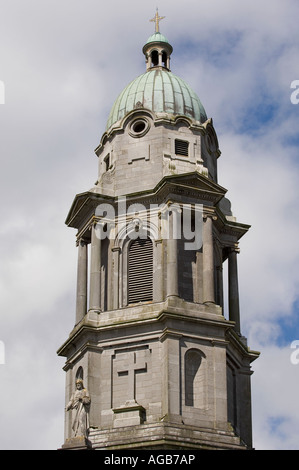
x: 63, y: 62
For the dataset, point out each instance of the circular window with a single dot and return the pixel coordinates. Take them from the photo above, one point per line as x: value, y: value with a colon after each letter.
x: 139, y: 127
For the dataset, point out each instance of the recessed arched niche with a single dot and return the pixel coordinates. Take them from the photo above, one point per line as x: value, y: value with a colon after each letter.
x: 194, y: 379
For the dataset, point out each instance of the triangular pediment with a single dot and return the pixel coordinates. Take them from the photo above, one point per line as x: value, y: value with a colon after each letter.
x: 83, y: 206
x: 197, y: 181
x: 193, y: 185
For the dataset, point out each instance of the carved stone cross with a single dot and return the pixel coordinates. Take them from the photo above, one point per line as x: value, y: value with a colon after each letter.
x: 130, y: 366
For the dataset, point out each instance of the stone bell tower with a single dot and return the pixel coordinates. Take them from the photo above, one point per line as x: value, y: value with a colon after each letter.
x: 157, y: 361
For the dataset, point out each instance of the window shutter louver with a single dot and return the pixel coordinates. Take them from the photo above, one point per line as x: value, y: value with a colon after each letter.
x: 181, y: 147
x: 140, y: 278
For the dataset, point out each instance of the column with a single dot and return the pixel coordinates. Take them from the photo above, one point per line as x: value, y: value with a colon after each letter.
x: 160, y: 58
x: 172, y: 255
x: 219, y: 293
x: 148, y: 61
x: 115, y: 254
x: 95, y: 268
x: 81, y: 304
x: 208, y: 261
x: 233, y: 289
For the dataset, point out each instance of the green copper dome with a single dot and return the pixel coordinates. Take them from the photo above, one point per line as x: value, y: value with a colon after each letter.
x: 157, y: 37
x: 159, y: 90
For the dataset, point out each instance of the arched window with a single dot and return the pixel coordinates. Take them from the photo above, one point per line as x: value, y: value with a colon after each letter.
x: 155, y: 58
x: 140, y: 270
x: 164, y: 58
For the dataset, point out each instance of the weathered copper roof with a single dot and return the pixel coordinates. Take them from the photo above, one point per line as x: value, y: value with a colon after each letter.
x: 160, y: 91
x: 157, y: 37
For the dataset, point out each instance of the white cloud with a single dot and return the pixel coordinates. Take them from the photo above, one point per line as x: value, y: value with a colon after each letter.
x: 275, y: 410
x: 263, y: 189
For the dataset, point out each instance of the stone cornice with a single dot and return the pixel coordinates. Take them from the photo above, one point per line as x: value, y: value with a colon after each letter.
x: 141, y: 316
x: 230, y: 228
x: 238, y: 342
x: 185, y: 187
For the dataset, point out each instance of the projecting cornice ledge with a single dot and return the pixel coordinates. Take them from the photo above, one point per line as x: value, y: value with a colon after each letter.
x: 193, y: 185
x: 173, y: 313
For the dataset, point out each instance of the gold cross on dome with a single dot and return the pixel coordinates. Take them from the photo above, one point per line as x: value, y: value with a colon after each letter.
x: 157, y: 19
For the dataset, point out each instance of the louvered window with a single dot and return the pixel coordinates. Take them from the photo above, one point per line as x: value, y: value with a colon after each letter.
x: 140, y: 271
x: 181, y: 147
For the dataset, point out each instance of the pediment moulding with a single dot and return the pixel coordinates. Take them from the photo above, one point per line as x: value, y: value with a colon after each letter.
x: 193, y: 187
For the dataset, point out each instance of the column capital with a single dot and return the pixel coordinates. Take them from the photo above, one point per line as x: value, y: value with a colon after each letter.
x: 211, y: 215
x: 233, y: 249
x: 173, y: 206
x: 96, y: 220
x: 81, y: 241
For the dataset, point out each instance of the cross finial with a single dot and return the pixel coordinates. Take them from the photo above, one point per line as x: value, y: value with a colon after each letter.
x: 157, y: 19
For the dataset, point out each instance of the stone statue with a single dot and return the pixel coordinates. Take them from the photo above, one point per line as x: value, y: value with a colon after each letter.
x: 80, y: 401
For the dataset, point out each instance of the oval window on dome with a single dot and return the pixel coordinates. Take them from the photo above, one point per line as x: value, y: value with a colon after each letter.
x: 139, y: 127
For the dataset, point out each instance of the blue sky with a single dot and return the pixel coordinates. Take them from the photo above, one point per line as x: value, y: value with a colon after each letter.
x: 63, y: 63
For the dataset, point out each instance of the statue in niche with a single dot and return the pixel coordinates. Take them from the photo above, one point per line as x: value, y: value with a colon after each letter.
x: 80, y: 401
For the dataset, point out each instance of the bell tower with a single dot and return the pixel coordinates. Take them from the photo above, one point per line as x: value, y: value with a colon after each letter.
x: 154, y: 360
